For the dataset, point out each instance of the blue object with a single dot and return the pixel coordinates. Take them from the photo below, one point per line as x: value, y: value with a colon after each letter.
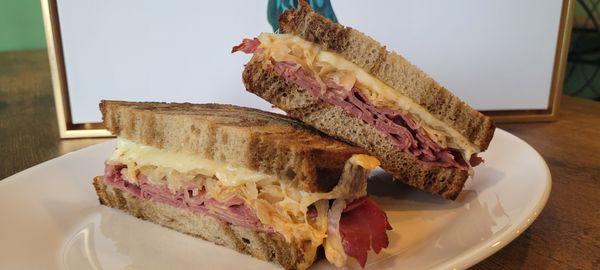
x: 276, y: 7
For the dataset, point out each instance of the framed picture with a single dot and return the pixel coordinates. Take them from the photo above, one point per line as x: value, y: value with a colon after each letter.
x: 504, y: 57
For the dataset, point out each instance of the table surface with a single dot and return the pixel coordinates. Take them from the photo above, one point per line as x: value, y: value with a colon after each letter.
x: 565, y: 236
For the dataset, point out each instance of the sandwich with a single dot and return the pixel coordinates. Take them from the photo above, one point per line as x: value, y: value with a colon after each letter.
x: 256, y: 182
x: 349, y: 86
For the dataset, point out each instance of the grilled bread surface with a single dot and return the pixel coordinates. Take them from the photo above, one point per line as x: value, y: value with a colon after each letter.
x: 265, y: 246
x: 298, y: 103
x: 241, y: 137
x: 390, y: 68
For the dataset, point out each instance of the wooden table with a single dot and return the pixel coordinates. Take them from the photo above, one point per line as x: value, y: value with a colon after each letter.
x: 565, y: 236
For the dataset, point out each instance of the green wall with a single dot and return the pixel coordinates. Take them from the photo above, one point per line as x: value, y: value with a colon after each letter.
x: 21, y: 25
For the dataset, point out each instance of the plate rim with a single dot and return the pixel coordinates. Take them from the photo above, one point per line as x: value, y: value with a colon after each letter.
x: 482, y: 251
x: 466, y: 259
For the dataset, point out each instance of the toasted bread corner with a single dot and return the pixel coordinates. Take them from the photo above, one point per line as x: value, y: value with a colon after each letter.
x: 243, y: 137
x: 390, y: 68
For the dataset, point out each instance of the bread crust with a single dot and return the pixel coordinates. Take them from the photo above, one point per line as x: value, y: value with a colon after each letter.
x: 391, y: 68
x: 241, y: 137
x: 263, y: 81
x: 265, y: 246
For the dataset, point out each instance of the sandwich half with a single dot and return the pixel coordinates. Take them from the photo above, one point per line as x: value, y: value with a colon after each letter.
x: 349, y: 86
x: 256, y: 182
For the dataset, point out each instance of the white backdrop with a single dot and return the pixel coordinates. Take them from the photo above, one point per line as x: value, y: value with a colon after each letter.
x: 495, y: 54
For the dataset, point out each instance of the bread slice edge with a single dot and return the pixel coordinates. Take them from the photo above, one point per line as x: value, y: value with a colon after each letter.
x: 334, y: 121
x: 297, y: 154
x: 392, y: 69
x: 265, y: 246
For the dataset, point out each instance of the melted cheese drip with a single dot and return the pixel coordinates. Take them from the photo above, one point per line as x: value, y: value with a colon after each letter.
x: 284, y: 47
x: 276, y: 204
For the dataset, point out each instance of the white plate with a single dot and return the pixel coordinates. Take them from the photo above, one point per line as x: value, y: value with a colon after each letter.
x: 50, y: 219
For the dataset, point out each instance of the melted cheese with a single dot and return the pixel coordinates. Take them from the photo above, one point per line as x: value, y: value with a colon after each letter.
x: 365, y: 161
x: 378, y: 92
x: 281, y: 206
x: 128, y: 152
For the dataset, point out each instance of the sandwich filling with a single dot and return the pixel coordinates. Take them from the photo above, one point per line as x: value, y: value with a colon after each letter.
x: 337, y: 81
x: 254, y: 200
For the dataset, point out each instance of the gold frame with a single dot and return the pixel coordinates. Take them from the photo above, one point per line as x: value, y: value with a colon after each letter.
x: 68, y: 129
x: 558, y: 76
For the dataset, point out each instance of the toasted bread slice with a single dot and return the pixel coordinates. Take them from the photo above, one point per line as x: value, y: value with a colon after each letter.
x: 263, y: 81
x: 241, y: 137
x: 390, y: 68
x: 265, y: 246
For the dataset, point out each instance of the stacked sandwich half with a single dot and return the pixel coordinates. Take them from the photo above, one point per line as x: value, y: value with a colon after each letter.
x: 280, y: 189
x: 256, y: 182
x: 349, y: 86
